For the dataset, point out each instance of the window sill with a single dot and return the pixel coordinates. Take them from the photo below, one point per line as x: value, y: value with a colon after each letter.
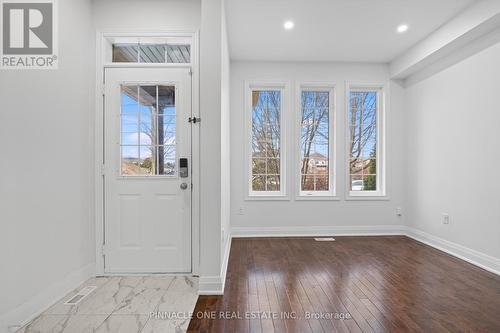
x: 317, y: 197
x: 267, y: 198
x: 367, y: 197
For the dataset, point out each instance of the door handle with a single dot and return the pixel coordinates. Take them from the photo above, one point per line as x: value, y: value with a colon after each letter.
x: 184, y: 186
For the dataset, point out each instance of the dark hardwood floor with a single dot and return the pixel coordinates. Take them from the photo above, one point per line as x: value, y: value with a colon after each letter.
x: 355, y: 284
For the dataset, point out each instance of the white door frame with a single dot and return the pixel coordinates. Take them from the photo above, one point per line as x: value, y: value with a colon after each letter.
x: 101, y: 64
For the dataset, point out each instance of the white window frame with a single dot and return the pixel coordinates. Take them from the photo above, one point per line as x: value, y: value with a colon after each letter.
x: 119, y: 134
x: 331, y: 194
x: 282, y: 194
x: 380, y: 193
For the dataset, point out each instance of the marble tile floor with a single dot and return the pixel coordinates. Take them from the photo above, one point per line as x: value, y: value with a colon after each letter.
x: 123, y: 305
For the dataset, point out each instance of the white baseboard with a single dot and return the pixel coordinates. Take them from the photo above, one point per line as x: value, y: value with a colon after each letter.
x: 474, y: 257
x: 302, y: 231
x: 225, y: 261
x: 214, y: 285
x: 210, y: 285
x: 29, y: 310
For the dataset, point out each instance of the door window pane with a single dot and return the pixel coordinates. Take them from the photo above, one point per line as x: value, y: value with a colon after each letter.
x: 168, y: 167
x: 166, y: 159
x: 130, y: 160
x: 148, y: 130
x: 147, y: 159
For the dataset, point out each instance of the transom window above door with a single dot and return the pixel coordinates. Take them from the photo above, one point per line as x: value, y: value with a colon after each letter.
x: 151, y: 53
x: 148, y: 130
x: 153, y: 50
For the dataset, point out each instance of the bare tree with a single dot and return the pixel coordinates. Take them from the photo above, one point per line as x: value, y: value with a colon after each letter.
x: 363, y: 127
x: 266, y: 130
x: 160, y: 134
x: 315, y: 108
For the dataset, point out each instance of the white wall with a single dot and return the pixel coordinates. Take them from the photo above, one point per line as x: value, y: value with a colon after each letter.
x: 225, y: 141
x: 211, y: 47
x: 146, y: 15
x: 46, y: 229
x: 292, y: 215
x: 453, y: 151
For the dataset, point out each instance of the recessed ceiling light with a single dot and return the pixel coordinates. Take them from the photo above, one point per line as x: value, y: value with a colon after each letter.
x: 402, y: 28
x: 288, y: 25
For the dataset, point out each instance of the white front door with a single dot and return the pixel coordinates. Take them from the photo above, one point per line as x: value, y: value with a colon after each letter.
x: 147, y: 150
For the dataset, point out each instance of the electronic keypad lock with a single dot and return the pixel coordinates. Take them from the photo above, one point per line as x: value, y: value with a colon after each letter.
x: 183, y: 168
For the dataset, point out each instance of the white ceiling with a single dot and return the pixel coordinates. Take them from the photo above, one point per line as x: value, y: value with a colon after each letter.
x: 332, y: 30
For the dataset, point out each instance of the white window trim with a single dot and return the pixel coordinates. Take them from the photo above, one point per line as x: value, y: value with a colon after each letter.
x: 380, y: 193
x: 331, y: 194
x: 284, y: 88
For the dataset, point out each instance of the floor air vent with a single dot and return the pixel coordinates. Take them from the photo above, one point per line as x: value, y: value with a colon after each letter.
x: 80, y: 295
x: 325, y: 239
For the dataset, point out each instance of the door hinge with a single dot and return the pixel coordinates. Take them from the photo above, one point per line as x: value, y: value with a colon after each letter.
x: 194, y: 120
x: 103, y: 90
x: 190, y: 71
x: 103, y: 249
x: 103, y: 169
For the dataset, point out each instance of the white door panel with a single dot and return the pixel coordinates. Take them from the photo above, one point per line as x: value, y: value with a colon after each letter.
x: 147, y: 214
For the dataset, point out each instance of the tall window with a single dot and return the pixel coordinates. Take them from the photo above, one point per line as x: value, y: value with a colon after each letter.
x: 266, y: 176
x: 364, y: 117
x: 315, y: 135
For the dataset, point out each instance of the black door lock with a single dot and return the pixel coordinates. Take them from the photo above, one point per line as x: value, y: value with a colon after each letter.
x: 183, y: 168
